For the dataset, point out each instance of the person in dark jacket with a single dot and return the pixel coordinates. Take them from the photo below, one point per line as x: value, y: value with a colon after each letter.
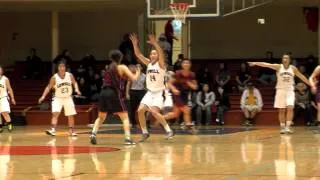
x: 177, y: 64
x: 34, y: 65
x: 223, y: 104
x: 65, y: 56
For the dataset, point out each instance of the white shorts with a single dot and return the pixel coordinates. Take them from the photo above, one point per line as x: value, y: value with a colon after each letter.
x: 153, y: 99
x: 168, y: 102
x: 65, y: 103
x: 284, y: 98
x: 4, y: 105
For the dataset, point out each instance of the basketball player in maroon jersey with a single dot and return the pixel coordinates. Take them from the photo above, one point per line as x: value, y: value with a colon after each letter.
x: 181, y: 85
x: 315, y: 87
x: 112, y: 96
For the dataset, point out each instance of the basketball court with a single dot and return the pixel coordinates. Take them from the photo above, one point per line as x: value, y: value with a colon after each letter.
x: 217, y: 153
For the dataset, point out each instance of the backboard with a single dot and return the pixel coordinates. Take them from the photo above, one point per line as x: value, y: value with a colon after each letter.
x: 160, y: 9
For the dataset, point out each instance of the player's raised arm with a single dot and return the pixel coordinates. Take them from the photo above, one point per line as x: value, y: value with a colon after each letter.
x: 47, y: 89
x: 313, y: 76
x: 11, y: 94
x: 155, y: 44
x: 301, y: 76
x: 266, y: 65
x: 75, y: 85
x: 137, y: 52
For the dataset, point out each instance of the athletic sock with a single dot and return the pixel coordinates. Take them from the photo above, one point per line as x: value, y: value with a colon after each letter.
x: 94, y: 130
x: 144, y: 130
x: 71, y: 129
x: 288, y: 124
x: 167, y: 128
x: 127, y: 135
x: 282, y: 125
x: 53, y: 127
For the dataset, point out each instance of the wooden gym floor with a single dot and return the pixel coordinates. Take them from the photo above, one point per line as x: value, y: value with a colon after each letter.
x: 217, y: 153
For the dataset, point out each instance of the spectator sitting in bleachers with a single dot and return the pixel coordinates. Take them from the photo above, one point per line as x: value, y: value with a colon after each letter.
x: 204, y: 76
x: 81, y: 73
x: 65, y: 55
x: 302, y: 69
x: 243, y: 77
x: 84, y: 88
x: 251, y: 103
x: 223, y: 104
x: 223, y: 77
x: 293, y: 60
x: 95, y: 87
x: 267, y: 75
x: 88, y: 61
x: 205, y: 100
x: 311, y: 64
x: 304, y: 103
x: 90, y: 74
x: 33, y: 64
x: 102, y: 72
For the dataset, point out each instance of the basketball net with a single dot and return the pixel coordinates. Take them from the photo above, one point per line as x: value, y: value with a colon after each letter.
x: 179, y: 11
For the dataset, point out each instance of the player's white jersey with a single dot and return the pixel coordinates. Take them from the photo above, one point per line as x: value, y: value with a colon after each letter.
x: 63, y: 87
x: 3, y: 87
x: 155, y: 77
x: 285, y: 78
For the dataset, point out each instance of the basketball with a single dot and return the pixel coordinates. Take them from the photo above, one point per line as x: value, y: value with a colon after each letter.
x: 133, y: 68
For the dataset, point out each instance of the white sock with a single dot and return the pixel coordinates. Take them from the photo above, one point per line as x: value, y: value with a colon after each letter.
x: 167, y: 128
x: 288, y: 124
x: 217, y: 120
x: 144, y: 130
x: 127, y: 135
x: 282, y: 125
x: 94, y: 129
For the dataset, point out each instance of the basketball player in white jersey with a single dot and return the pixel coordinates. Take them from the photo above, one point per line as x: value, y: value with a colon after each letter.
x: 285, y: 96
x: 5, y: 90
x: 153, y: 100
x: 62, y: 83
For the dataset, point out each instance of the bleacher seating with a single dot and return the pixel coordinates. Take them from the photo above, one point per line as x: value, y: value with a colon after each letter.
x: 28, y: 91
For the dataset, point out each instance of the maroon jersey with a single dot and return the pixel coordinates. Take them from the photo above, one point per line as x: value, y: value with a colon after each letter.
x: 181, y: 79
x: 112, y: 79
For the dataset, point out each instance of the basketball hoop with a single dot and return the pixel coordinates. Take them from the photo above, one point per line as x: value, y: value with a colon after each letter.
x: 179, y: 11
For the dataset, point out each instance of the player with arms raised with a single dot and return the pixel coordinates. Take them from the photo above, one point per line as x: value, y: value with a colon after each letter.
x: 153, y: 100
x: 285, y: 96
x: 62, y: 83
